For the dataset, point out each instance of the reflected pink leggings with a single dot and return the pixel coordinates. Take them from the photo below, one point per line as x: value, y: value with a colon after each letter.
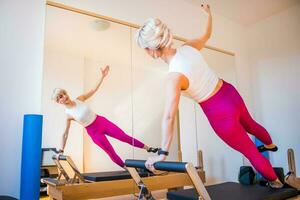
x: 230, y: 119
x: 102, y: 127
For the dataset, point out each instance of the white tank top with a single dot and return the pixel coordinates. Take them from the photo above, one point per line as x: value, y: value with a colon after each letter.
x: 81, y: 113
x: 202, y: 79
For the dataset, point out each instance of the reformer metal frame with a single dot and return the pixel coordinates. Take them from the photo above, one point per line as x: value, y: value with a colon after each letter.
x: 77, y: 178
x: 145, y: 193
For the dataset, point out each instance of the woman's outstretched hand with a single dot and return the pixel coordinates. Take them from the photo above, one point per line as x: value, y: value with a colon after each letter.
x: 105, y: 71
x: 206, y: 8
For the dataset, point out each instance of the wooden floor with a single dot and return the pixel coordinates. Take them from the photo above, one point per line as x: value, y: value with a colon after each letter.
x: 158, y: 195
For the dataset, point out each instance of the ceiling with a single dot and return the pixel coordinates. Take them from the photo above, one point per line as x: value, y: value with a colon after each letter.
x: 246, y: 12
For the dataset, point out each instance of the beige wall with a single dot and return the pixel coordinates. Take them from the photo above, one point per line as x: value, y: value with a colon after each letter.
x: 62, y: 70
x: 21, y: 61
x: 274, y: 51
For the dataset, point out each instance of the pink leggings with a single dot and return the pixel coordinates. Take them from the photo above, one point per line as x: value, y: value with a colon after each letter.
x: 230, y: 119
x: 102, y: 127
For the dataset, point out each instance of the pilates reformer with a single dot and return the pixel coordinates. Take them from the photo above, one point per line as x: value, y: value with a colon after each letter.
x: 223, y: 191
x: 71, y: 184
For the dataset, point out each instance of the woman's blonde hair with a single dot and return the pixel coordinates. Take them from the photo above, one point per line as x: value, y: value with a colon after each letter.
x: 154, y: 34
x: 56, y: 92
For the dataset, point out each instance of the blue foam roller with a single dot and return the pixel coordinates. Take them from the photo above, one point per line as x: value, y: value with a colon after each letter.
x: 265, y: 154
x: 31, y: 157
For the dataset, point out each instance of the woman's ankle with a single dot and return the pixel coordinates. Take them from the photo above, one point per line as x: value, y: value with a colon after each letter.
x: 270, y: 146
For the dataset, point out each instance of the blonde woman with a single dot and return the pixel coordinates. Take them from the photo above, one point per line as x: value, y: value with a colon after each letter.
x: 222, y: 104
x: 98, y: 127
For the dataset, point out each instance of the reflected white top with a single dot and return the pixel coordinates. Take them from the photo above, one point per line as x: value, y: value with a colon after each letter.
x: 202, y: 79
x: 81, y: 113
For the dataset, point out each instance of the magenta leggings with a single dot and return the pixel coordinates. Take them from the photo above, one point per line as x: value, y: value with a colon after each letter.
x: 102, y: 127
x: 230, y: 119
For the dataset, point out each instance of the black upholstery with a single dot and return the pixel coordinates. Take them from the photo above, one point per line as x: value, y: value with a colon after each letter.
x: 110, y: 176
x: 235, y: 191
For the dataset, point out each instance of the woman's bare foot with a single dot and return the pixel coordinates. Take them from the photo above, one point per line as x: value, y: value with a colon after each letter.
x: 270, y: 146
x: 275, y: 184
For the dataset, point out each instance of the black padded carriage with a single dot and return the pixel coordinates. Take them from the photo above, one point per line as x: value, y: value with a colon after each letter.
x: 113, y: 175
x: 235, y: 191
x: 223, y: 191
